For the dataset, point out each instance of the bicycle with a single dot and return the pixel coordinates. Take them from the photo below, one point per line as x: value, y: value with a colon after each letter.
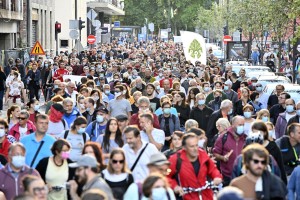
x: 208, y: 185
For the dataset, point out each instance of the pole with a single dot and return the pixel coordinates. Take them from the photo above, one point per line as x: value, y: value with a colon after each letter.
x: 56, y: 39
x: 79, y: 30
x: 294, y: 51
x: 76, y: 9
x: 29, y: 24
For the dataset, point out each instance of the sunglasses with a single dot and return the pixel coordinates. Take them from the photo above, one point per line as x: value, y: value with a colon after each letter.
x: 117, y: 161
x: 263, y: 162
x: 22, y: 118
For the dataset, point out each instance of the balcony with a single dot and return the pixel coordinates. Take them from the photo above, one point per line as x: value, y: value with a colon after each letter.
x: 108, y: 7
x: 10, y: 15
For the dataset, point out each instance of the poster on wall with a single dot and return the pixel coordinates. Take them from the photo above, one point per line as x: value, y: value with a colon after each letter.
x: 238, y: 50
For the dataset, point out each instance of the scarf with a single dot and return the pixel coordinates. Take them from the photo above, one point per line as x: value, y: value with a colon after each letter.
x: 55, y: 115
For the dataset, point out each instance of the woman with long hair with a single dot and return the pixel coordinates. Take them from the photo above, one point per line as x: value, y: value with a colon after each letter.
x: 244, y: 100
x: 55, y: 171
x: 176, y: 143
x: 191, y: 98
x: 182, y: 108
x: 263, y: 115
x: 94, y: 149
x: 117, y: 175
x: 97, y: 96
x: 248, y: 115
x: 76, y: 136
x: 13, y: 114
x: 112, y: 138
x: 33, y: 109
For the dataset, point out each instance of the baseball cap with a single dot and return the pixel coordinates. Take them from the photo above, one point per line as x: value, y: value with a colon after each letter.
x: 254, y: 79
x: 228, y: 82
x: 158, y: 159
x: 102, y: 109
x: 122, y: 117
x: 85, y: 161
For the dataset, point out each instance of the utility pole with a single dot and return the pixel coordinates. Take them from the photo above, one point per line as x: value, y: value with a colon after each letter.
x: 294, y: 51
x: 76, y: 9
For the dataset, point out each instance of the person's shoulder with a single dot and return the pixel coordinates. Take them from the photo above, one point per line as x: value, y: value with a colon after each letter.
x: 238, y: 180
x: 27, y: 138
x: 49, y: 138
x: 158, y: 131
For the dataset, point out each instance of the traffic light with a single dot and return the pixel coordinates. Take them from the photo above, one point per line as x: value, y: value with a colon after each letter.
x: 57, y: 27
x: 225, y: 30
x: 81, y: 24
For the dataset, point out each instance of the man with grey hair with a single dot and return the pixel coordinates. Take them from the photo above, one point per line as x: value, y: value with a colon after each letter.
x: 139, y: 85
x: 228, y: 146
x: 70, y: 90
x: 14, y: 171
x: 144, y: 107
x: 190, y: 123
x: 106, y: 90
x: 224, y: 111
x: 71, y: 112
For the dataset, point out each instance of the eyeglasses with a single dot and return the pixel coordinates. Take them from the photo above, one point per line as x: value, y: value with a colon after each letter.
x: 22, y: 118
x: 117, y: 161
x: 40, y: 189
x: 263, y: 162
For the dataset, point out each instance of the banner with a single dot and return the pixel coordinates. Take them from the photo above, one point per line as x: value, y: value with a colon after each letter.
x: 193, y: 46
x: 237, y: 50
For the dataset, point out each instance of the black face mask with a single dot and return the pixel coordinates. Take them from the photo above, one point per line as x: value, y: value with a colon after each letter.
x: 217, y: 99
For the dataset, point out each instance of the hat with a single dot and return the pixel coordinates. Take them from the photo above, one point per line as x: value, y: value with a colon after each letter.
x: 158, y: 159
x: 122, y: 117
x: 254, y: 79
x: 228, y: 82
x: 85, y: 161
x: 102, y: 109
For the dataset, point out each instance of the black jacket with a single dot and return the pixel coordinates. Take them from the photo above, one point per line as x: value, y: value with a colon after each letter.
x: 276, y: 153
x: 273, y: 187
x: 275, y: 111
x: 86, y: 113
x: 211, y: 126
x: 202, y: 117
x: 184, y: 113
x: 238, y: 107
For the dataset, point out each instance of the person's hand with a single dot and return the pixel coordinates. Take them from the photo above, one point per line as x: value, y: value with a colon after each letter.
x: 73, y: 187
x: 178, y: 190
x: 217, y: 181
x: 49, y: 187
x: 168, y: 138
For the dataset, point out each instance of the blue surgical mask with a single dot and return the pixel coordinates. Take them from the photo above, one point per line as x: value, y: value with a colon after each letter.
x: 159, y: 194
x: 100, y: 118
x: 272, y: 134
x: 81, y: 131
x: 298, y: 112
x: 226, y: 87
x: 106, y: 92
x: 201, y: 102
x: 289, y: 108
x: 230, y: 112
x: 36, y: 107
x: 206, y: 89
x: 247, y: 115
x: 167, y: 111
x: 258, y: 89
x: 265, y: 119
x: 18, y: 161
x: 240, y: 130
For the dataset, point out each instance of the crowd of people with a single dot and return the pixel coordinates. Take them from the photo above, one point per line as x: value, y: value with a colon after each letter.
x: 144, y: 123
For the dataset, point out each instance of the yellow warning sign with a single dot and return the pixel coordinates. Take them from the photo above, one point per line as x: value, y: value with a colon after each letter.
x: 37, y: 49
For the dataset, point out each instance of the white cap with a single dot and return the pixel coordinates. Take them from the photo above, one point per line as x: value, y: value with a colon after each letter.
x: 228, y: 82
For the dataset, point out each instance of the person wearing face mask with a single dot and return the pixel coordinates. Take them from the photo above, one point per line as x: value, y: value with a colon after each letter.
x: 71, y: 112
x: 201, y: 113
x: 283, y: 118
x: 54, y: 170
x: 280, y: 107
x: 216, y: 103
x: 248, y: 112
x: 56, y: 122
x: 119, y: 105
x: 14, y: 171
x: 231, y: 95
x: 76, y: 136
x: 202, y: 139
x: 225, y: 111
x: 263, y: 97
x: 139, y: 86
x: 97, y: 127
x: 33, y: 109
x: 106, y: 90
x: 5, y: 141
x: 226, y: 152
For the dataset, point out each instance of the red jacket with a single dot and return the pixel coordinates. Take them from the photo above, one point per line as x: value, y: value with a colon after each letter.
x: 134, y: 120
x: 4, y: 147
x: 14, y: 131
x: 188, y: 177
x: 59, y: 72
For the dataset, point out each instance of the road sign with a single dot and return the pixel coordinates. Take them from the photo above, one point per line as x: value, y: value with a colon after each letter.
x: 91, y: 39
x: 236, y: 36
x: 73, y: 24
x: 74, y: 34
x: 104, y: 30
x: 91, y: 15
x: 117, y: 24
x: 96, y: 24
x: 37, y: 49
x: 151, y: 27
x: 227, y: 38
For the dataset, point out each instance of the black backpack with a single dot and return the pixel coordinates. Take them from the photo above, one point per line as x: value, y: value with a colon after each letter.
x: 83, y: 136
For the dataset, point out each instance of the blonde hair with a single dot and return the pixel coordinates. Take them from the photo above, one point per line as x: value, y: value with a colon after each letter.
x: 262, y: 112
x: 223, y: 122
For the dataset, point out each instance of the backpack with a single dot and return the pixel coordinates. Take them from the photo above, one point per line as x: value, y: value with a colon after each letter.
x: 224, y: 139
x: 93, y: 128
x: 173, y: 118
x: 83, y: 136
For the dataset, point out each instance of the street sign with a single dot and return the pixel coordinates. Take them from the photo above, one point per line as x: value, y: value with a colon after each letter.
x: 37, y: 49
x: 96, y: 24
x: 104, y: 30
x: 91, y: 39
x: 117, y: 24
x: 227, y: 38
x: 73, y: 24
x: 151, y: 27
x: 74, y: 34
x: 91, y: 15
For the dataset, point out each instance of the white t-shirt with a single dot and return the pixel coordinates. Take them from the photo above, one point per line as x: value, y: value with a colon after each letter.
x: 157, y: 134
x: 56, y: 128
x: 76, y: 142
x: 15, y: 88
x: 23, y: 131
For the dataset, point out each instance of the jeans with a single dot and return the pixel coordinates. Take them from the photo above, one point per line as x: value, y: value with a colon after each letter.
x: 1, y: 99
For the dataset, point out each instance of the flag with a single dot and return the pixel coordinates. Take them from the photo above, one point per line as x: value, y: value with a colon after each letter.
x: 193, y: 46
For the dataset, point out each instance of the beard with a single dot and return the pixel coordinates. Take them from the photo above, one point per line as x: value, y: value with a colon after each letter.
x: 256, y: 172
x: 81, y: 179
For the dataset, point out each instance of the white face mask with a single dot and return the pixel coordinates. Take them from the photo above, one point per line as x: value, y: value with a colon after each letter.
x: 201, y: 143
x: 18, y: 161
x: 117, y: 94
x: 2, y: 132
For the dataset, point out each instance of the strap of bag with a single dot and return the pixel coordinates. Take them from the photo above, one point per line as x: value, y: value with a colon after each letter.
x: 37, y: 152
x: 138, y: 158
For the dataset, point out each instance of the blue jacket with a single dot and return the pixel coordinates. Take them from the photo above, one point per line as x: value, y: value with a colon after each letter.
x: 70, y: 118
x: 98, y: 130
x: 293, y: 185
